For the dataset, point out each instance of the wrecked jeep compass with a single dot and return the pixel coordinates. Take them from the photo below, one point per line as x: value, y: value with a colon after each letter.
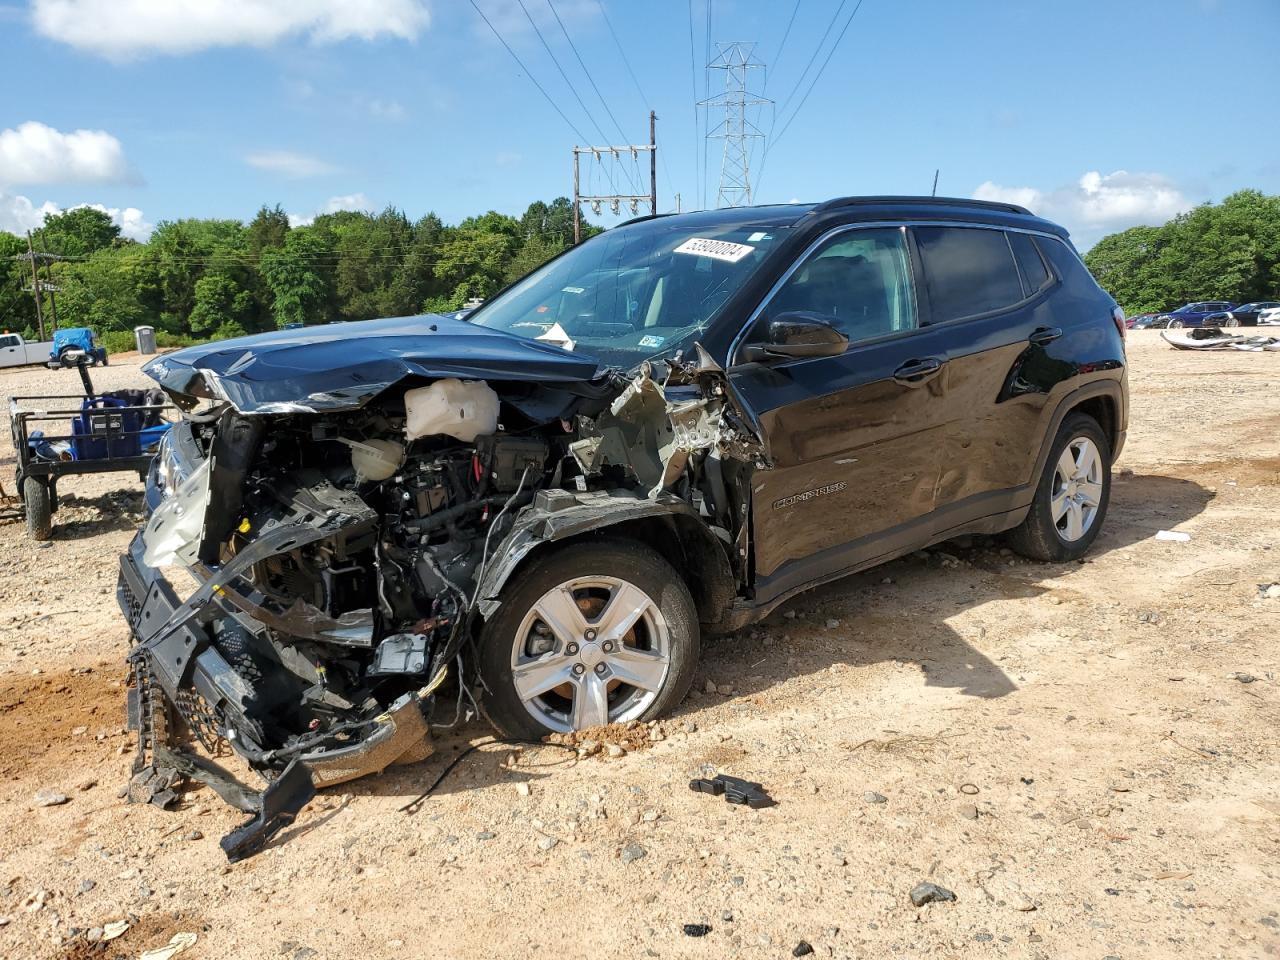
x: 665, y: 431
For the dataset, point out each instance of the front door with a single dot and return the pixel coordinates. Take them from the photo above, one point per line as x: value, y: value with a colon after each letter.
x: 852, y: 437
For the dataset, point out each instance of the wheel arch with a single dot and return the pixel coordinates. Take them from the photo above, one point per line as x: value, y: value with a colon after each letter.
x: 671, y: 528
x: 1103, y: 400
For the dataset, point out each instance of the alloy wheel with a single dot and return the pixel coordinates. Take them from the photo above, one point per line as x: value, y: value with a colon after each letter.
x: 1077, y: 489
x: 591, y: 651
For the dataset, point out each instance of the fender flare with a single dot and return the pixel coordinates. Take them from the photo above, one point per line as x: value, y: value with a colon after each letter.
x: 557, y: 516
x: 1110, y: 388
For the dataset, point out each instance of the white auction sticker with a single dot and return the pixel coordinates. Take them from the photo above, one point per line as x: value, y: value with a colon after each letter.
x: 716, y: 249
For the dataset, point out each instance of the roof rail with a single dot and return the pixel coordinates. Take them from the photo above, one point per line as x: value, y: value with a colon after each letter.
x: 839, y: 202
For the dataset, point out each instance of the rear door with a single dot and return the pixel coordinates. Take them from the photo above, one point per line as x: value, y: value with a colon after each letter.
x: 853, y: 437
x: 989, y: 291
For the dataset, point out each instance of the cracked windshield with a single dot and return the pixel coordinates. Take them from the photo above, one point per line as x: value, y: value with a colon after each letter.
x: 629, y: 295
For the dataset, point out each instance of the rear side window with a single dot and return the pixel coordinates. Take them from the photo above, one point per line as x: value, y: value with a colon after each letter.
x: 1035, y: 275
x: 967, y: 271
x: 1067, y: 262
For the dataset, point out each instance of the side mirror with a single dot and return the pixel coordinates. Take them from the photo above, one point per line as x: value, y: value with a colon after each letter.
x: 797, y: 334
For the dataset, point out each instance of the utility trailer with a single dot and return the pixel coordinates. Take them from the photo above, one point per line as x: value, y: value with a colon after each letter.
x: 108, y: 433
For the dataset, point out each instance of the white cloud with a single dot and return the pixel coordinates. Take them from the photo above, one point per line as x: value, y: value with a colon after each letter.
x: 512, y: 22
x: 36, y: 153
x: 124, y: 28
x: 18, y: 214
x: 295, y: 166
x: 1098, y: 201
x: 347, y: 201
x: 387, y: 109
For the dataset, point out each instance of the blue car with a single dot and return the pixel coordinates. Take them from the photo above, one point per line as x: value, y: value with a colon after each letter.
x: 73, y: 343
x: 1192, y: 314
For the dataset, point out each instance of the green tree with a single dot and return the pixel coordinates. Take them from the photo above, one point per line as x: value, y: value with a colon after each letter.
x: 76, y: 233
x: 295, y: 277
x: 220, y: 305
x: 267, y: 230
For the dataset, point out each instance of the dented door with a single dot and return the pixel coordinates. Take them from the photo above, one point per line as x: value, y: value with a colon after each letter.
x: 855, y: 461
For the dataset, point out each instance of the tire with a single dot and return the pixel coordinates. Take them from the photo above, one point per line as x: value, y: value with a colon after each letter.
x: 1231, y: 322
x: 1174, y: 325
x: 1044, y: 536
x: 575, y: 586
x: 39, y: 508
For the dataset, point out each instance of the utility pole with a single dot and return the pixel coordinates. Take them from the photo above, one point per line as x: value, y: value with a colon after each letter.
x: 615, y: 200
x: 737, y: 60
x: 35, y: 285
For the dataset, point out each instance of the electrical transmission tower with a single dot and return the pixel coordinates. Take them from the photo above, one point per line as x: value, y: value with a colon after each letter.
x: 737, y: 60
x: 616, y: 200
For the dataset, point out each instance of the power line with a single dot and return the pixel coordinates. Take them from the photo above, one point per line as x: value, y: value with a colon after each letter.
x: 785, y: 34
x: 706, y: 93
x: 693, y: 82
x: 773, y: 141
x: 572, y: 89
x: 528, y: 73
x: 818, y: 76
x: 617, y: 126
x: 816, y: 50
x: 644, y: 100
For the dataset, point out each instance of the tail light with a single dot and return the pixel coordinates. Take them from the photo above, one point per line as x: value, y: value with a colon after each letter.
x: 1117, y: 314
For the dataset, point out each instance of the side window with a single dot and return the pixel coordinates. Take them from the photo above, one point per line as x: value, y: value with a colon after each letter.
x: 1035, y: 275
x: 858, y: 281
x: 967, y: 270
x: 8, y: 341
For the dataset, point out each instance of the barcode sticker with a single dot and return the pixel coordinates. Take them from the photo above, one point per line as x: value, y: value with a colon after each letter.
x: 716, y: 249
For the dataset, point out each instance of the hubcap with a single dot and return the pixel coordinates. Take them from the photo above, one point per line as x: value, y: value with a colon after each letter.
x: 591, y: 651
x: 1077, y: 489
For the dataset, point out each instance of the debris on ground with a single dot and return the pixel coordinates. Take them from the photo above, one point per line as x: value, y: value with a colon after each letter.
x: 45, y: 797
x: 1173, y: 536
x: 923, y: 893
x: 801, y: 949
x: 697, y: 929
x: 177, y: 943
x: 735, y: 790
x: 624, y: 738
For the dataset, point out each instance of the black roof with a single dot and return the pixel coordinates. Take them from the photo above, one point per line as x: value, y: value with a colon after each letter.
x: 874, y: 207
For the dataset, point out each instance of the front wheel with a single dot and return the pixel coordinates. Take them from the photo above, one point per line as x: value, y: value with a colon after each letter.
x: 1072, y: 495
x: 1174, y: 324
x: 602, y: 631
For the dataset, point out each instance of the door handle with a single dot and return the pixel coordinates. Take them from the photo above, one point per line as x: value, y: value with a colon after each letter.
x: 1045, y: 335
x: 918, y: 371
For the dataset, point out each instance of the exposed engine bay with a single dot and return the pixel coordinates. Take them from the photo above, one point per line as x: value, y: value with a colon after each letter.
x: 346, y: 547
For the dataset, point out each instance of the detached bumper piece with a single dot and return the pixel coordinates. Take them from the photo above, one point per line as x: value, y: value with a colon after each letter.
x: 278, y: 807
x: 734, y: 790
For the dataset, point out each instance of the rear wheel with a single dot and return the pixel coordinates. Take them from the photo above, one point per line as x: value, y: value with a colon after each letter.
x: 1072, y: 496
x: 601, y: 632
x: 1231, y: 322
x: 39, y: 507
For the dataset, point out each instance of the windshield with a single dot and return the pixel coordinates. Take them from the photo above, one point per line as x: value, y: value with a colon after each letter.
x: 636, y: 292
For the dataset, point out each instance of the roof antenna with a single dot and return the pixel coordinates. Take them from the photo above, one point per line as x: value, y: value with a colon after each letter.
x: 935, y: 183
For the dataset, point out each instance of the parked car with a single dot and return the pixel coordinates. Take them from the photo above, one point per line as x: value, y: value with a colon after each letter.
x: 1192, y: 314
x: 1245, y: 315
x: 1269, y: 316
x: 1139, y: 321
x: 75, y: 344
x: 15, y: 351
x: 786, y: 395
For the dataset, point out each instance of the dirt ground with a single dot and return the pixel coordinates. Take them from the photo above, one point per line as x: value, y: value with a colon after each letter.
x: 1085, y: 754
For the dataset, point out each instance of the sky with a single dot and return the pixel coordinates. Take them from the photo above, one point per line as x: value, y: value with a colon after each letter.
x: 1099, y: 114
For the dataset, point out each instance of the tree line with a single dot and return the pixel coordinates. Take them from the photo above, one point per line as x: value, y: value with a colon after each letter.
x: 1225, y: 251
x: 211, y: 279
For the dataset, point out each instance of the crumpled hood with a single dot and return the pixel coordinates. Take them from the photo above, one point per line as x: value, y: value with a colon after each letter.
x: 342, y: 366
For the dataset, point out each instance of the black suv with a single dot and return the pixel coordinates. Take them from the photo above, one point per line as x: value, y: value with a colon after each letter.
x: 667, y: 430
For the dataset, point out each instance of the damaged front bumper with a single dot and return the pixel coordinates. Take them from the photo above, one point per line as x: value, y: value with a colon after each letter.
x: 185, y: 691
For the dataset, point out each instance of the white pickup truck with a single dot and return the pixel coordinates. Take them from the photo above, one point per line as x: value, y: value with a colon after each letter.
x: 16, y: 352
